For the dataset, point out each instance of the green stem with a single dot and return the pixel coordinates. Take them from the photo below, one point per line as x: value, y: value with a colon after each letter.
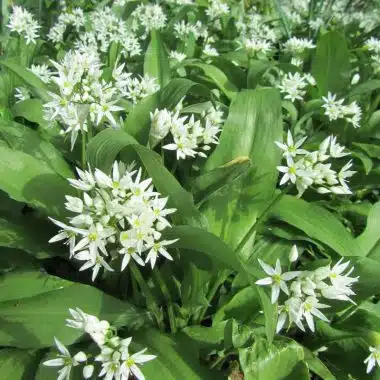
x: 150, y: 300
x: 259, y: 221
x: 222, y: 276
x: 84, y: 153
x: 165, y: 292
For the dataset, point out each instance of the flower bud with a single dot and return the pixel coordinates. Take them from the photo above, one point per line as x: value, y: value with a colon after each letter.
x: 355, y: 78
x: 88, y: 370
x: 293, y: 255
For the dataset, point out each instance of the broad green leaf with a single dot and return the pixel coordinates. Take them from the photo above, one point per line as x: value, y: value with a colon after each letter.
x: 206, y: 336
x: 369, y: 241
x: 27, y: 283
x: 317, y: 366
x: 235, y: 74
x: 137, y: 124
x: 200, y: 240
x: 316, y: 222
x: 218, y: 77
x: 28, y: 77
x: 177, y: 88
x: 27, y: 140
x: 22, y: 321
x: 15, y: 364
x: 371, y: 149
x: 270, y: 362
x: 27, y: 179
x: 365, y: 88
x: 156, y: 63
x: 331, y: 64
x: 300, y: 372
x: 103, y: 150
x: 30, y: 109
x: 256, y: 70
x: 209, y: 182
x: 253, y: 124
x: 29, y: 235
x: 177, y: 357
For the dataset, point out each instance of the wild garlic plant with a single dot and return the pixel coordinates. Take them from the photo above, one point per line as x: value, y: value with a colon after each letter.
x: 311, y: 169
x: 304, y: 290
x: 115, y: 357
x: 118, y: 215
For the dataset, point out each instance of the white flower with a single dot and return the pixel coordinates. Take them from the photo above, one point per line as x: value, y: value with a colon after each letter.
x: 131, y: 364
x: 311, y: 308
x: 373, y: 44
x: 217, y: 9
x: 149, y: 16
x: 333, y: 108
x: 296, y: 61
x: 337, y: 150
x: 276, y: 279
x: 292, y: 171
x: 156, y: 249
x: 291, y: 149
x: 161, y: 123
x: 65, y: 360
x: 254, y: 46
x: 21, y: 94
x: 355, y: 79
x: 292, y: 85
x: 42, y: 71
x: 210, y: 51
x: 372, y: 359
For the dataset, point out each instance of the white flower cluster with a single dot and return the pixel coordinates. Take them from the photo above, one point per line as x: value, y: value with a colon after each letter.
x: 335, y: 109
x: 255, y: 46
x: 183, y: 30
x: 148, y: 17
x: 373, y: 45
x: 83, y: 94
x: 293, y: 85
x: 255, y: 26
x: 119, y: 210
x: 135, y: 89
x: 42, y: 71
x: 191, y: 137
x: 217, y: 9
x: 23, y: 23
x: 296, y: 47
x: 75, y: 18
x: 177, y: 56
x: 210, y: 51
x: 115, y: 357
x: 309, y: 169
x: 108, y: 28
x: 306, y: 289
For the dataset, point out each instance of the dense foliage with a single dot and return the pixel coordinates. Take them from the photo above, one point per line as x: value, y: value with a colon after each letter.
x: 189, y: 190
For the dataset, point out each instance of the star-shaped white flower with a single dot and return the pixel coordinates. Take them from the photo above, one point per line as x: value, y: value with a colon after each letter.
x: 277, y: 279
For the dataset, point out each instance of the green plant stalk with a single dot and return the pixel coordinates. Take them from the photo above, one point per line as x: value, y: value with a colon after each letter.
x: 150, y: 300
x: 165, y: 292
x: 84, y: 148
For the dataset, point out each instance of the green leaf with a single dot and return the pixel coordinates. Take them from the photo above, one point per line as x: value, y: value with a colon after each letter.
x: 256, y: 70
x: 317, y: 366
x: 300, y: 372
x: 14, y: 363
x: 200, y: 240
x: 371, y: 149
x: 270, y: 313
x: 30, y: 109
x: 156, y: 63
x: 177, y: 357
x: 177, y: 88
x: 22, y: 323
x: 137, y: 123
x: 39, y: 87
x: 29, y: 180
x: 209, y: 182
x: 19, y: 137
x: 103, y: 150
x: 316, y: 222
x: 331, y: 64
x: 270, y: 362
x: 29, y: 235
x: 365, y: 88
x: 253, y: 124
x: 218, y: 77
x: 27, y: 283
x: 369, y: 241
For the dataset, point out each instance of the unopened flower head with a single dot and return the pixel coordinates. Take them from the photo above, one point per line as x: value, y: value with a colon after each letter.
x: 121, y: 211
